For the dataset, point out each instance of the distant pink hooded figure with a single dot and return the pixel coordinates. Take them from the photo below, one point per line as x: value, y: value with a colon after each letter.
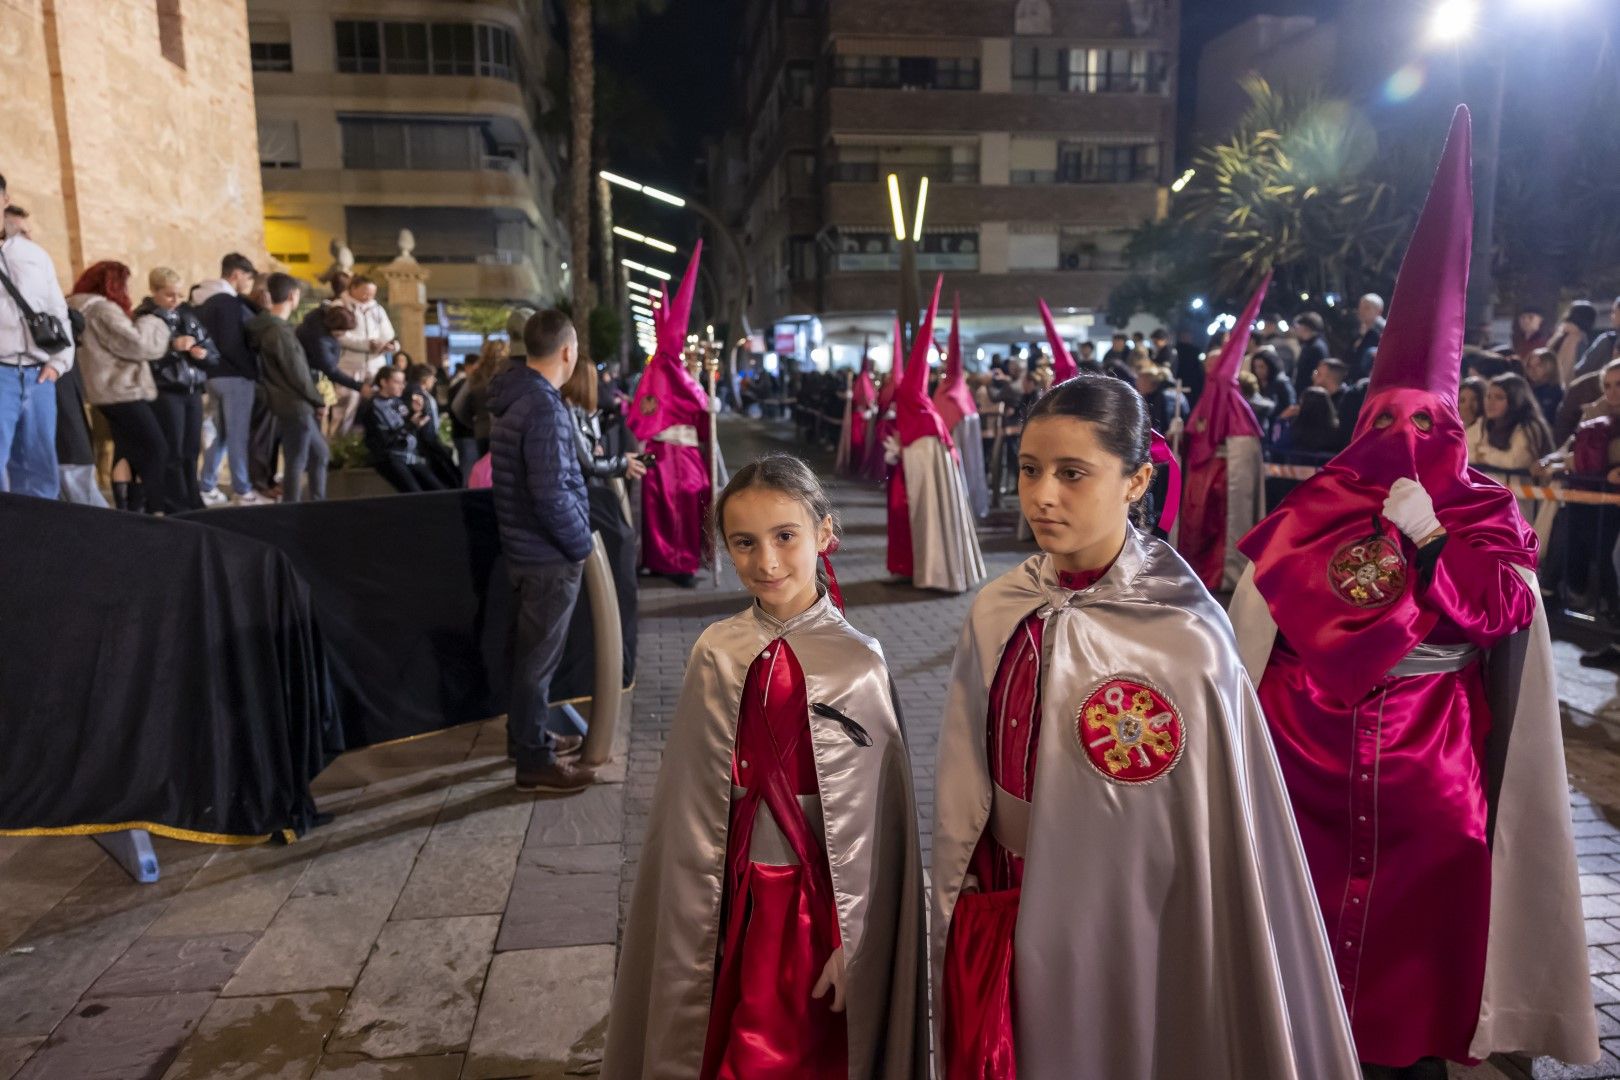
x: 1223, y: 479
x: 932, y: 535
x: 855, y: 440
x: 1063, y: 366
x: 876, y: 467
x: 1393, y: 625
x: 956, y: 406
x: 670, y: 415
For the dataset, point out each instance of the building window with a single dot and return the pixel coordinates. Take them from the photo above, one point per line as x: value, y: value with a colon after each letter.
x: 801, y: 258
x: 1091, y: 249
x: 801, y: 85
x: 270, y: 46
x: 1091, y: 162
x: 1050, y: 69
x: 382, y: 142
x: 952, y: 164
x: 367, y: 47
x: 906, y: 72
x: 444, y: 234
x: 862, y: 250
x: 171, y: 32
x: 801, y: 172
x: 278, y: 144
x: 1032, y: 17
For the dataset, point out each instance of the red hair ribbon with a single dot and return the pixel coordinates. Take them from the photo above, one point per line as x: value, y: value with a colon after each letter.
x: 1163, y: 455
x: 832, y: 579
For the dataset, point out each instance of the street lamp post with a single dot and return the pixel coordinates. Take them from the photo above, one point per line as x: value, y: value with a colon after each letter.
x: 910, y: 292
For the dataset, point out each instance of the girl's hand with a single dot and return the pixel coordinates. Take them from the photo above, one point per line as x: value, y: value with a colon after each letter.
x: 832, y: 976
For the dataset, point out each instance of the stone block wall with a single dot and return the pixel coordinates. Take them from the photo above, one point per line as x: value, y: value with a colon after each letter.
x: 119, y: 151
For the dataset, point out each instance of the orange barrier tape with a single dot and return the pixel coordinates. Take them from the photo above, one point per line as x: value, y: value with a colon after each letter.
x: 1538, y: 492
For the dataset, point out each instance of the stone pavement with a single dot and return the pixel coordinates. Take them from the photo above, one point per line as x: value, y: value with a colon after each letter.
x: 445, y: 927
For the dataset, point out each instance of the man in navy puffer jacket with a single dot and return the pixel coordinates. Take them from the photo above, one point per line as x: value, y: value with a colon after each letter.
x: 544, y: 517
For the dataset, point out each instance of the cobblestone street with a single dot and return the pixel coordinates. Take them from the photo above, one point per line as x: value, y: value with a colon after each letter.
x: 444, y: 926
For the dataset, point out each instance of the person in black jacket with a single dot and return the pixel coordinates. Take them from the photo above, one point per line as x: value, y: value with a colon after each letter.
x: 545, y: 528
x: 1308, y: 329
x: 318, y: 333
x: 180, y: 376
x: 397, y: 432
x: 223, y: 307
x: 289, y: 391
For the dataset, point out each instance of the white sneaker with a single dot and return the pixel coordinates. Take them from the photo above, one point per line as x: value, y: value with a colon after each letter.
x: 215, y: 498
x: 252, y: 498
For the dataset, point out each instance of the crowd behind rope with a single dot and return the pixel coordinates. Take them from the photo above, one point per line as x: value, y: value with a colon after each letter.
x: 1541, y: 409
x: 164, y: 390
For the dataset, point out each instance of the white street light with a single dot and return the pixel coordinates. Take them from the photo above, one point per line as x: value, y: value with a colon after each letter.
x: 639, y: 287
x: 894, y: 207
x: 652, y: 270
x: 662, y: 196
x: 922, y: 205
x: 650, y: 241
x: 1452, y: 21
x: 615, y: 178
x: 1197, y: 303
x: 1183, y: 180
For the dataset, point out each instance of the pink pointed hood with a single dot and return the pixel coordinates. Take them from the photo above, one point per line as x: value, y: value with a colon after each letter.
x: 897, y: 371
x: 1063, y: 366
x: 953, y: 399
x: 1221, y: 411
x: 864, y: 390
x: 667, y: 394
x: 914, y: 413
x: 1302, y: 550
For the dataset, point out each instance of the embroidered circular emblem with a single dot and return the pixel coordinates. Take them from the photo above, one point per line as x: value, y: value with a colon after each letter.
x: 1130, y: 732
x: 1369, y: 573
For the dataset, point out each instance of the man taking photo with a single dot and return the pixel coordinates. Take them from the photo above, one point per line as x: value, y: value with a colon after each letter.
x: 544, y: 516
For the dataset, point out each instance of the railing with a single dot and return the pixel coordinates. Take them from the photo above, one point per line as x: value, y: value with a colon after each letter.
x: 870, y: 172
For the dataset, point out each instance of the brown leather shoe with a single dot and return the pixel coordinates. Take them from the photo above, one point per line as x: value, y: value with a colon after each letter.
x: 559, y: 777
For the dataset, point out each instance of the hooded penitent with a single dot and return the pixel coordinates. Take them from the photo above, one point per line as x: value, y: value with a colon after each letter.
x: 1063, y: 366
x: 1222, y: 487
x: 932, y: 536
x: 853, y: 440
x: 785, y: 761
x: 1411, y: 701
x: 960, y: 412
x: 670, y: 414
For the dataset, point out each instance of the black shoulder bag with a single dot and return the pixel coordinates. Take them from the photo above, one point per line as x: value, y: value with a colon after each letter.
x: 46, y: 329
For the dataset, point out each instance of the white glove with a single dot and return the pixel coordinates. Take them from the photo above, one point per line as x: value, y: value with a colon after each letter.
x: 891, y: 450
x: 1411, y: 510
x: 714, y: 405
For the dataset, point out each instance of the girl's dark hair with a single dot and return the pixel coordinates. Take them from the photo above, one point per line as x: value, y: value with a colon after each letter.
x: 1477, y: 385
x: 1266, y: 355
x: 1522, y: 411
x: 1583, y: 314
x: 1114, y: 409
x: 782, y: 473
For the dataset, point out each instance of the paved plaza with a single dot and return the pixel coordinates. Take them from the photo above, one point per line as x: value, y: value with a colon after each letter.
x: 444, y: 926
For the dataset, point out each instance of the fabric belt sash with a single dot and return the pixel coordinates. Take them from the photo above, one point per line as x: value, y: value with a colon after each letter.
x: 1429, y: 659
x: 678, y: 435
x: 1009, y: 820
x: 769, y: 844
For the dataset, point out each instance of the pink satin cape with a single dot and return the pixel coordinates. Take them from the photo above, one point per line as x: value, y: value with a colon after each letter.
x: 675, y: 497
x: 779, y: 926
x: 1389, y: 794
x: 952, y: 399
x: 1220, y: 414
x: 675, y: 396
x: 863, y: 395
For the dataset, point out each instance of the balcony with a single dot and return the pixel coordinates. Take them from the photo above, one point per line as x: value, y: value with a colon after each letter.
x: 870, y: 172
x: 409, y: 187
x: 851, y: 111
x: 867, y: 204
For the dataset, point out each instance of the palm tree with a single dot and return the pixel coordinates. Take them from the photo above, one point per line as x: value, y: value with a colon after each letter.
x: 583, y: 15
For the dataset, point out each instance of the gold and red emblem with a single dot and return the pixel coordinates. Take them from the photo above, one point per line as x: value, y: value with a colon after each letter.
x: 1130, y: 732
x: 1368, y: 573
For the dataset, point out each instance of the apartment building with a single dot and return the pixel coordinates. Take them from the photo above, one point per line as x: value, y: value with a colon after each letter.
x: 381, y: 115
x: 1045, y: 130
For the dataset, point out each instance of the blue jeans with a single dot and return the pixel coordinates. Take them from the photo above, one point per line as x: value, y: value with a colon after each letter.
x: 28, y: 433
x: 233, y: 423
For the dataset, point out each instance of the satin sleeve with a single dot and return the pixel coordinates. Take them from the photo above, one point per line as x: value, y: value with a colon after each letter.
x: 1480, y: 591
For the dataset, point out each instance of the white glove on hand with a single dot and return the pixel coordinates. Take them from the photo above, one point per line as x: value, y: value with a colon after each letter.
x: 1411, y: 510
x: 891, y: 450
x: 714, y: 405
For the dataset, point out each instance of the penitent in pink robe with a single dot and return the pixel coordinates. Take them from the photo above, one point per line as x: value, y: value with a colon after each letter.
x: 1405, y: 881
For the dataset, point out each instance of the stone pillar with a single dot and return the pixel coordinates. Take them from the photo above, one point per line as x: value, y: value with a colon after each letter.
x: 406, y: 282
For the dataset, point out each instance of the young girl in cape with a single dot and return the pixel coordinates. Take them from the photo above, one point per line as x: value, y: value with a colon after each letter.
x: 776, y: 929
x: 1119, y: 886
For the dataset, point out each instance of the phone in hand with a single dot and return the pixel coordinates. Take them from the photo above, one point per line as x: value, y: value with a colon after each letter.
x: 648, y: 460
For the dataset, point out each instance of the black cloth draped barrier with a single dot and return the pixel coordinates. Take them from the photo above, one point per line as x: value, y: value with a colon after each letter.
x: 155, y: 673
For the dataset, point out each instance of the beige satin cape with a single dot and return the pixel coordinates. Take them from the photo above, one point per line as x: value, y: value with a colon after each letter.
x: 944, y: 536
x: 1537, y: 996
x: 661, y: 998
x: 1167, y: 930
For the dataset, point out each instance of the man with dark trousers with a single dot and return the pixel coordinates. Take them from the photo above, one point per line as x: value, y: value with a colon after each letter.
x: 544, y: 516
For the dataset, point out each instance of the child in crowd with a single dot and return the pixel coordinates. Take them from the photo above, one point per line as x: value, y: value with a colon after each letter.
x: 777, y: 925
x: 1119, y: 886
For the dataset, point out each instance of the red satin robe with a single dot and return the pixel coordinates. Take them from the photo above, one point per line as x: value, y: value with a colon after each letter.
x: 900, y: 559
x: 978, y: 964
x: 779, y: 923
x: 1389, y: 795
